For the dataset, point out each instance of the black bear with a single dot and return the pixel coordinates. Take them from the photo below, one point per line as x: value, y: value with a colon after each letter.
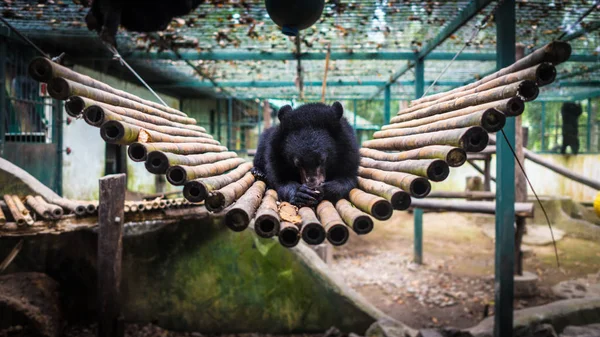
x: 570, y: 127
x: 310, y: 156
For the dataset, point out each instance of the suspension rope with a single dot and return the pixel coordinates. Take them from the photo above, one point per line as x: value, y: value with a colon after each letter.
x: 118, y: 57
x: 588, y: 12
x: 478, y: 28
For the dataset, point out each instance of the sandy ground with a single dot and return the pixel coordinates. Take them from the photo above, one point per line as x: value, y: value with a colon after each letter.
x: 455, y: 285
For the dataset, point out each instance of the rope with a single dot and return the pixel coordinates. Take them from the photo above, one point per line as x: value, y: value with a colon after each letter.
x: 588, y: 12
x: 119, y: 58
x: 478, y: 28
x: 14, y: 30
x: 535, y: 194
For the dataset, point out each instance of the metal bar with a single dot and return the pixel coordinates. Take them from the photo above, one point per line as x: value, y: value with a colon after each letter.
x: 3, y: 118
x: 229, y: 122
x: 543, y: 127
x: 57, y: 138
x: 419, y: 78
x: 585, y: 71
x: 588, y: 28
x: 459, y: 20
x: 277, y: 84
x: 394, y: 77
x: 219, y: 119
x: 355, y: 113
x: 505, y: 191
x: 387, y: 105
x: 418, y: 239
x: 589, y: 126
x: 571, y: 98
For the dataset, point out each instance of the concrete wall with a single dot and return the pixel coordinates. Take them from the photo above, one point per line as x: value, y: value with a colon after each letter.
x: 83, y: 167
x: 544, y: 181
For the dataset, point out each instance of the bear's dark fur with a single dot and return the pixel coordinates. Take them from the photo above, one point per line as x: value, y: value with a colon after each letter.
x: 311, y: 155
x: 570, y: 126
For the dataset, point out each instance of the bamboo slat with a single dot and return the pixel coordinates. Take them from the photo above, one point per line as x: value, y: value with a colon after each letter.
x: 312, y: 232
x: 418, y: 187
x: 378, y: 207
x: 471, y: 139
x: 239, y: 216
x: 432, y: 169
x: 399, y: 199
x: 224, y: 197
x: 138, y: 152
x: 360, y: 222
x: 158, y: 162
x: 454, y: 156
x: 198, y: 190
x: 180, y: 174
x: 267, y: 222
x: 336, y: 229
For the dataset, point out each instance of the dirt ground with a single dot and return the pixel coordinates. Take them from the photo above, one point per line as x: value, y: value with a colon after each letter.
x: 454, y: 287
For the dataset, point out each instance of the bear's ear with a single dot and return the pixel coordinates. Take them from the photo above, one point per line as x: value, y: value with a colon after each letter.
x: 338, y: 109
x: 283, y: 111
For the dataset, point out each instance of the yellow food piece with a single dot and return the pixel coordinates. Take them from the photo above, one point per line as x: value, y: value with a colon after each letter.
x: 597, y: 204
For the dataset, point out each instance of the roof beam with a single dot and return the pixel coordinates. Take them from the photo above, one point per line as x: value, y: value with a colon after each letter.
x: 586, y: 71
x: 569, y: 98
x: 278, y: 84
x: 468, y: 12
x: 464, y: 16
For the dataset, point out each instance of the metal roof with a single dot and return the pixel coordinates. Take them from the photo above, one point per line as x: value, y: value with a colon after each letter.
x: 236, y: 45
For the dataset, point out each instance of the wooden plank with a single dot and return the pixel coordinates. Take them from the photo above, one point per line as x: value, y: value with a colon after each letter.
x: 110, y: 250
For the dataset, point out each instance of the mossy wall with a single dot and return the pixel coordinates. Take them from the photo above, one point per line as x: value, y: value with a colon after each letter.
x: 200, y: 276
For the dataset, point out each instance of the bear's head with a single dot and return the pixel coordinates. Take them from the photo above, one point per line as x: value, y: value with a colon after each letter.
x: 308, y: 141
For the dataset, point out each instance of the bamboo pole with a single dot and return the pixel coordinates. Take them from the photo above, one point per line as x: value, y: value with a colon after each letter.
x: 432, y: 169
x: 336, y: 229
x: 542, y: 74
x: 491, y: 120
x: 360, y: 222
x: 399, y: 199
x: 158, y: 162
x: 509, y: 107
x: 102, y: 110
x: 555, y: 52
x: 96, y: 115
x: 471, y: 139
x: 312, y: 232
x: 118, y: 132
x: 198, y: 190
x: 61, y: 88
x: 16, y: 214
x: 289, y: 235
x: 44, y: 70
x: 418, y: 187
x: 239, y: 216
x: 378, y: 207
x: 2, y: 218
x: 39, y: 208
x: 56, y: 211
x: 224, y: 197
x: 267, y: 222
x: 525, y: 90
x: 21, y: 208
x: 180, y: 174
x: 454, y: 156
x: 138, y: 152
x: 74, y: 207
x: 324, y: 88
x: 484, y: 207
x: 587, y: 181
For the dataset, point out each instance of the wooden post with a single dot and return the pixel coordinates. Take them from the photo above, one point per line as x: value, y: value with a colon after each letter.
x: 324, y: 89
x: 519, y: 232
x: 520, y: 182
x: 266, y: 113
x: 487, y: 174
x: 110, y: 249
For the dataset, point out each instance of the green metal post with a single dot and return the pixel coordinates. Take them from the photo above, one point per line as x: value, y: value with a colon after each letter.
x: 355, y: 113
x: 229, y: 122
x: 589, y: 125
x: 259, y: 111
x: 543, y: 126
x: 3, y: 43
x: 387, y: 105
x: 505, y: 185
x: 419, y: 78
x: 219, y: 119
x: 418, y: 244
x: 57, y: 137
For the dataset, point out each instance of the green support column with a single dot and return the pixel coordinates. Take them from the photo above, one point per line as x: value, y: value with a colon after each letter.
x: 219, y: 119
x: 387, y: 105
x: 505, y: 185
x: 355, y: 113
x: 543, y: 127
x: 3, y: 43
x: 419, y: 78
x: 229, y: 122
x: 418, y: 241
x: 57, y: 135
x: 259, y: 106
x: 589, y: 125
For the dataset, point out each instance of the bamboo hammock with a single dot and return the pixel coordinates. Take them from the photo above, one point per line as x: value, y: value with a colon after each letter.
x: 434, y: 133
